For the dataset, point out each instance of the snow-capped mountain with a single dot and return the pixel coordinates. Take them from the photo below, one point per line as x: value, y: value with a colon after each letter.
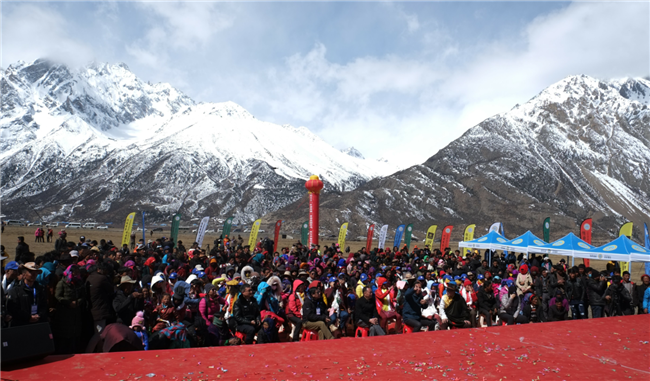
x: 353, y: 152
x: 580, y: 148
x: 97, y: 142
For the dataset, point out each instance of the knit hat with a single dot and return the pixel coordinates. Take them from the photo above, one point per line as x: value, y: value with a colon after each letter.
x: 523, y: 269
x: 138, y: 320
x: 467, y: 282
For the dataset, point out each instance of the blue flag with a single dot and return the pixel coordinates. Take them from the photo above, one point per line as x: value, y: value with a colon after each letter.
x: 647, y: 246
x: 399, y: 232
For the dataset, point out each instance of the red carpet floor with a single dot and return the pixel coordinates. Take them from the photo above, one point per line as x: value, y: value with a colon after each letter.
x: 598, y: 349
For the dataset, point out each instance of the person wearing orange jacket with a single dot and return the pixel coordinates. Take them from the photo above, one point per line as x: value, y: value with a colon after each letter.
x: 385, y: 298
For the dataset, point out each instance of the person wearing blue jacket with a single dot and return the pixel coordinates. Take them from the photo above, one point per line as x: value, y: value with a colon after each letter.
x: 646, y: 300
x: 413, y: 306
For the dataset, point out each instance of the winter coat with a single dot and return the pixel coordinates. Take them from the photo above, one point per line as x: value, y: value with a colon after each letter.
x: 67, y: 320
x: 209, y: 307
x: 486, y: 299
x: 555, y: 314
x: 314, y: 310
x: 523, y: 283
x: 412, y: 307
x: 454, y: 309
x: 365, y: 310
x: 20, y: 301
x: 295, y: 303
x: 620, y: 302
x: 101, y: 292
x: 640, y: 293
x: 576, y: 290
x: 596, y: 291
x: 22, y: 252
x: 245, y: 311
x: 510, y: 306
x: 126, y: 306
x: 646, y: 299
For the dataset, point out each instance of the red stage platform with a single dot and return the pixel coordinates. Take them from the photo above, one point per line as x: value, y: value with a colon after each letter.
x: 596, y: 349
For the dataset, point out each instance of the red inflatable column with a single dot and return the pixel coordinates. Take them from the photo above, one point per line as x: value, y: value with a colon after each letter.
x: 314, y: 186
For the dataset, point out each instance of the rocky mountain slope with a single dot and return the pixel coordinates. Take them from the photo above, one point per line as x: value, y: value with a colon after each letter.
x: 97, y: 143
x: 580, y: 148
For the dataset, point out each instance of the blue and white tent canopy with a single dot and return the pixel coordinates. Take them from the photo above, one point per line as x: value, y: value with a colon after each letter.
x: 521, y: 243
x: 491, y: 241
x: 567, y: 245
x: 620, y: 249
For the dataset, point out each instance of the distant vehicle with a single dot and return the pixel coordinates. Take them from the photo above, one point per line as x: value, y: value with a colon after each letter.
x: 246, y: 230
x: 237, y: 231
x: 90, y: 225
x: 73, y: 225
x: 210, y: 231
x: 52, y: 225
x: 261, y: 231
x: 36, y: 223
x: 14, y: 223
x: 103, y: 227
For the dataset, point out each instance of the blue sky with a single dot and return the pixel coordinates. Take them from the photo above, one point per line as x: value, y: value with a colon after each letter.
x: 395, y: 80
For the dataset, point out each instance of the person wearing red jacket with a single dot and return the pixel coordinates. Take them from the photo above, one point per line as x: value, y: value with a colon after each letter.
x: 471, y: 299
x: 294, y: 308
x: 385, y: 299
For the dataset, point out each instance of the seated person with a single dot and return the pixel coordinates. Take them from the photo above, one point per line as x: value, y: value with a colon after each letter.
x: 366, y: 313
x: 453, y: 308
x: 414, y: 303
x: 314, y: 313
x: 246, y: 314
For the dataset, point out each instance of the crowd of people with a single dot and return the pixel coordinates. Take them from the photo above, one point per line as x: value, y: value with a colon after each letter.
x: 98, y: 296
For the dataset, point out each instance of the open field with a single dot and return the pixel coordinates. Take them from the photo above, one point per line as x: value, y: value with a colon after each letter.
x: 9, y: 239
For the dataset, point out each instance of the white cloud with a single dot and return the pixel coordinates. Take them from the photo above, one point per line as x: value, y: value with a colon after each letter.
x: 30, y: 32
x: 419, y: 105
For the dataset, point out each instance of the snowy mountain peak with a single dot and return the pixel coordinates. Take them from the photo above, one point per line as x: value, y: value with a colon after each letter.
x: 353, y: 152
x: 100, y: 137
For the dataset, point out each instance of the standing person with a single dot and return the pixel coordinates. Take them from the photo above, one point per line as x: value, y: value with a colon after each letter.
x: 22, y: 251
x: 37, y: 235
x: 27, y: 302
x: 576, y: 294
x: 618, y: 301
x: 50, y: 234
x: 596, y: 285
x: 246, y: 313
x: 101, y: 292
x: 71, y: 303
x: 640, y: 292
x: 61, y: 242
x: 127, y: 302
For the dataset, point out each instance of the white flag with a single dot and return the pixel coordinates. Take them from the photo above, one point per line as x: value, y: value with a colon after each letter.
x: 201, y: 232
x: 382, y: 236
x: 496, y: 227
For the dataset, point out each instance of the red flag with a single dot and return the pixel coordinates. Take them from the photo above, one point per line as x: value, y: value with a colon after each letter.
x: 446, y: 236
x: 278, y: 225
x: 585, y: 235
x: 371, y: 231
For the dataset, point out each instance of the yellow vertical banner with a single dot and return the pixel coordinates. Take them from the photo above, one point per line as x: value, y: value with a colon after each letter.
x: 431, y: 235
x: 626, y: 230
x: 469, y: 233
x: 252, y: 240
x: 342, y: 233
x: 128, y: 226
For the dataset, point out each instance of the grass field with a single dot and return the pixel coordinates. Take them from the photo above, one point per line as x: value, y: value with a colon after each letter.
x: 10, y: 236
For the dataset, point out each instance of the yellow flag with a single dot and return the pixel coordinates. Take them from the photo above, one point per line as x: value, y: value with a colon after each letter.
x: 469, y: 233
x: 431, y: 234
x: 626, y: 230
x: 128, y: 225
x: 252, y: 240
x: 342, y: 233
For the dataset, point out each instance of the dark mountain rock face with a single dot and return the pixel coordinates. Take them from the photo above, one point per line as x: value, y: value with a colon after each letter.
x: 579, y: 149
